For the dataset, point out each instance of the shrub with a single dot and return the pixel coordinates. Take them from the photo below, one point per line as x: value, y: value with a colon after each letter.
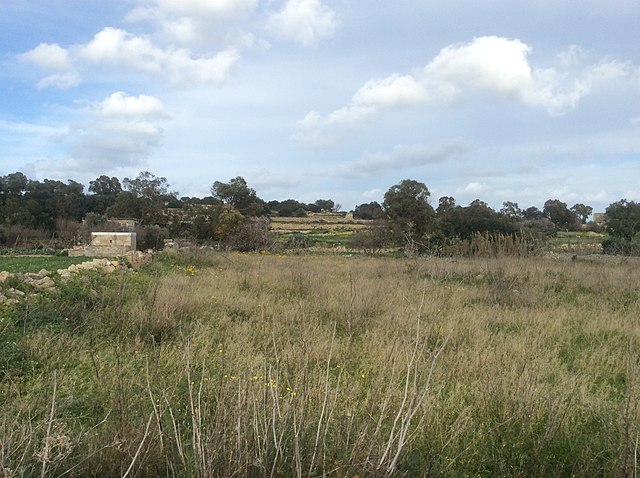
x: 616, y: 245
x: 253, y: 235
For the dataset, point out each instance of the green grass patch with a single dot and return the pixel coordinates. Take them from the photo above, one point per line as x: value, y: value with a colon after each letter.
x: 37, y: 263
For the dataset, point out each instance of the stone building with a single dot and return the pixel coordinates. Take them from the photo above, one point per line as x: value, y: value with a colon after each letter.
x: 107, y: 244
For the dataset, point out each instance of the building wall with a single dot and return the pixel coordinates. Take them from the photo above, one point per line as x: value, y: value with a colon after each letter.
x: 108, y: 244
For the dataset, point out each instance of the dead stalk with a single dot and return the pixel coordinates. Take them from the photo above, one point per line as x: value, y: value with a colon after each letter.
x: 47, y: 440
x: 144, y: 438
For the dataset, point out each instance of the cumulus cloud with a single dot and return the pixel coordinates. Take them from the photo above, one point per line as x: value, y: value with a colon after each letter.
x: 200, y: 23
x: 50, y: 56
x: 401, y: 157
x: 373, y: 96
x: 117, y: 48
x: 119, y: 104
x: 206, y: 7
x: 494, y: 66
x: 119, y: 131
x: 303, y: 21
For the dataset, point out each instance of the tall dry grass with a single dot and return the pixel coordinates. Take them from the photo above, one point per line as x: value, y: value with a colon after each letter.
x: 261, y: 365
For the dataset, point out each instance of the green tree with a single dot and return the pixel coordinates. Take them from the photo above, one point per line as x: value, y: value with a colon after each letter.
x: 325, y: 205
x: 287, y: 208
x: 511, y: 210
x: 445, y: 204
x: 369, y: 211
x: 623, y: 219
x: 104, y: 191
x: 560, y: 214
x: 238, y: 194
x: 583, y: 212
x: 406, y: 204
x: 478, y: 217
x: 152, y: 193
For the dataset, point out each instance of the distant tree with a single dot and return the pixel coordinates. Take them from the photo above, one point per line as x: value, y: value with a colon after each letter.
x: 104, y: 191
x: 478, y: 217
x: 148, y: 186
x: 15, y: 184
x: 532, y: 213
x: 369, y: 211
x: 287, y: 208
x: 560, y: 214
x: 152, y: 193
x: 325, y: 204
x: 238, y: 194
x: 445, y: 204
x: 105, y: 186
x: 511, y: 210
x: 126, y: 205
x: 623, y: 219
x: 406, y: 204
x: 583, y: 212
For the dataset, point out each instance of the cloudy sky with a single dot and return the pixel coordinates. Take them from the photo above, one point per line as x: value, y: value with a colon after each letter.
x: 497, y: 100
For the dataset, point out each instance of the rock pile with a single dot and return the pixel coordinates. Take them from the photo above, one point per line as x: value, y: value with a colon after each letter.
x: 43, y: 281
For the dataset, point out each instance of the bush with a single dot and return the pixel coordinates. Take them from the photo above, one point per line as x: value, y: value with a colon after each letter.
x: 620, y: 246
x: 254, y: 235
x: 150, y: 237
x: 296, y: 241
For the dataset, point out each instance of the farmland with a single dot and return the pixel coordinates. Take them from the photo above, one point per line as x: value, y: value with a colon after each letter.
x: 212, y: 364
x: 321, y: 229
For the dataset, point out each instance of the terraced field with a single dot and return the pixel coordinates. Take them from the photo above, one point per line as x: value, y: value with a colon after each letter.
x: 320, y: 228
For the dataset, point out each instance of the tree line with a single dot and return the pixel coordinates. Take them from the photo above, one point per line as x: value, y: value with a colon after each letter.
x: 235, y: 215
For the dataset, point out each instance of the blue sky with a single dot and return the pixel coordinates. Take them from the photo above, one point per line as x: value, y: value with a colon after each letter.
x: 497, y: 100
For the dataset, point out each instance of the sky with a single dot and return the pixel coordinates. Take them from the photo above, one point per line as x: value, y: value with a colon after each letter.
x: 500, y: 100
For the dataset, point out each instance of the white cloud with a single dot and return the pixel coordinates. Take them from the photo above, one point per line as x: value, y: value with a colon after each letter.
x: 303, y: 21
x: 402, y: 156
x: 393, y: 91
x: 489, y: 65
x: 117, y: 48
x: 120, y: 104
x: 196, y: 23
x: 60, y: 80
x: 473, y: 188
x: 119, y: 131
x: 495, y: 64
x: 50, y: 56
x: 206, y: 7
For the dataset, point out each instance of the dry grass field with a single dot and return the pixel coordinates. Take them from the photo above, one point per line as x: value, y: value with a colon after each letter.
x: 216, y: 365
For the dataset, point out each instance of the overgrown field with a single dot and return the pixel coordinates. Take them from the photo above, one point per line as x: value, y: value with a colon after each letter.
x: 264, y: 365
